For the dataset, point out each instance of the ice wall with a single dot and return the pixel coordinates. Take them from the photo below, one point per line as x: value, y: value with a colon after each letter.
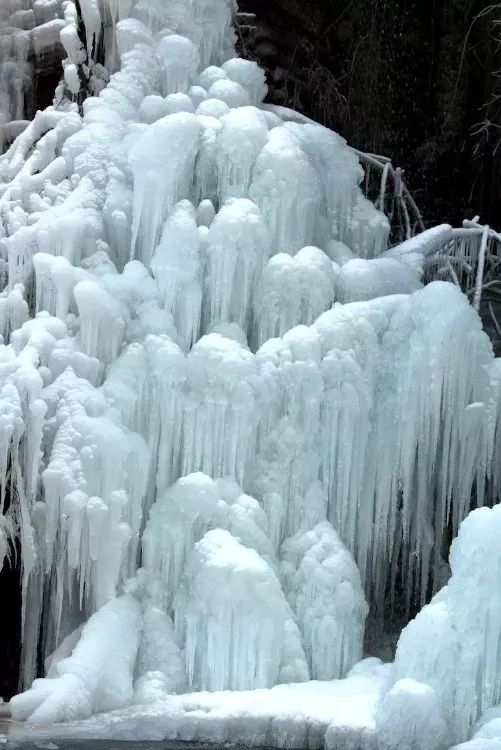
x: 206, y: 396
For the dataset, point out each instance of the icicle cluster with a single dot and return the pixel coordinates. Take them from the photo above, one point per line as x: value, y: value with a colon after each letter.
x: 182, y: 389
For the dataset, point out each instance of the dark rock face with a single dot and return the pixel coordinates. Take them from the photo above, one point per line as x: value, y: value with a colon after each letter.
x: 30, y: 62
x: 407, y: 78
x: 10, y: 629
x: 47, y: 75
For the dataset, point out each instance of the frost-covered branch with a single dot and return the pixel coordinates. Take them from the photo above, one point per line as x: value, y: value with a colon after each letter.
x: 469, y: 256
x: 394, y: 190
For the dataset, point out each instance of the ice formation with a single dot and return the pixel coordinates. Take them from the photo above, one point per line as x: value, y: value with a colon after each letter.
x: 323, y: 586
x: 218, y: 430
x: 453, y: 644
x: 98, y: 674
x: 409, y: 717
x: 233, y: 618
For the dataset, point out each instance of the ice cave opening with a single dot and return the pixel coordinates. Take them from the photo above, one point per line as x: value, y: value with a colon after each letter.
x: 236, y: 423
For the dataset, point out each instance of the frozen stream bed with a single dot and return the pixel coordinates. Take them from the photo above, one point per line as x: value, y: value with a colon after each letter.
x: 339, y: 714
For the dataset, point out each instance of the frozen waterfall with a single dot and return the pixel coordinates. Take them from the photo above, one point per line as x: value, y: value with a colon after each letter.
x: 229, y: 423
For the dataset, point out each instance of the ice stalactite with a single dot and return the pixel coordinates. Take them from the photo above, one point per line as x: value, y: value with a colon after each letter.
x: 292, y: 291
x: 190, y: 508
x: 180, y: 59
x: 237, y: 248
x: 368, y: 231
x: 337, y: 389
x: 243, y: 134
x: 13, y: 311
x: 285, y: 187
x: 101, y: 328
x: 158, y: 186
x: 222, y: 406
x: 178, y: 270
x: 94, y: 485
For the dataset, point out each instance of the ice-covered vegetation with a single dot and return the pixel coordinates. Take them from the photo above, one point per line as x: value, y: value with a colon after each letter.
x: 232, y: 419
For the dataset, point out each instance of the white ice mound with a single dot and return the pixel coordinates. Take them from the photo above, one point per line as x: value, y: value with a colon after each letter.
x: 322, y: 584
x: 453, y: 644
x: 98, y: 675
x: 234, y: 620
x: 178, y: 520
x: 160, y: 668
x: 192, y: 506
x: 409, y: 717
x: 361, y: 279
x: 292, y: 291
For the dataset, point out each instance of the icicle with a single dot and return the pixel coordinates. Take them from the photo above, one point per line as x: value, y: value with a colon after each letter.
x: 237, y: 248
x: 178, y: 271
x: 243, y: 134
x: 292, y: 291
x: 100, y: 316
x: 222, y: 413
x: 285, y: 187
x: 180, y: 60
x: 162, y: 163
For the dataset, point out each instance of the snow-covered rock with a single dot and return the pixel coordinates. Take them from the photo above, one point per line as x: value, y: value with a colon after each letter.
x: 453, y: 644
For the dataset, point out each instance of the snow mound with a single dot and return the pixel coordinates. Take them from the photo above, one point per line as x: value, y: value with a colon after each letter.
x: 487, y: 733
x: 96, y: 677
x: 452, y: 644
x: 235, y: 623
x: 323, y: 587
x: 410, y: 718
x: 361, y: 279
x: 292, y: 291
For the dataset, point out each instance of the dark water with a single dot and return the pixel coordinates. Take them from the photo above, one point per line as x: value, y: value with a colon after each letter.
x: 10, y: 741
x: 40, y: 744
x: 26, y: 744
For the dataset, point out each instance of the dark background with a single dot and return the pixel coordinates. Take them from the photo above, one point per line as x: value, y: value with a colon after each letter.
x: 415, y: 80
